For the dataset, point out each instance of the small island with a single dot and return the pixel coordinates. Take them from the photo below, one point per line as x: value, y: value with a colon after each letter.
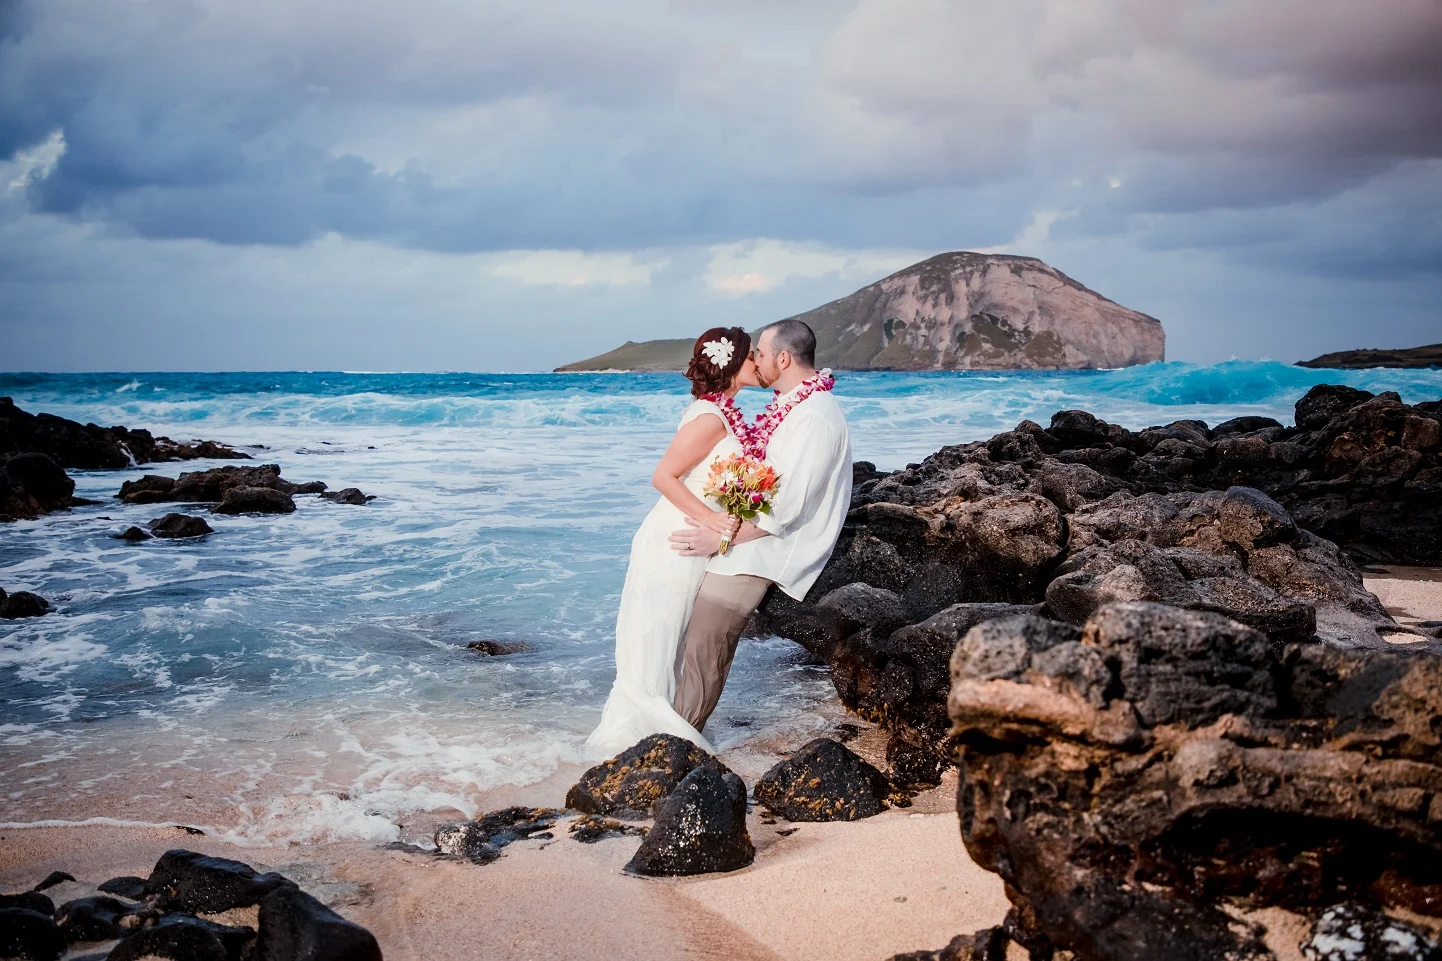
x: 1413, y: 358
x: 955, y: 311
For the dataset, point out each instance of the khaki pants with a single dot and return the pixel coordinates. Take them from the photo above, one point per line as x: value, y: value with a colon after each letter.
x: 723, y: 606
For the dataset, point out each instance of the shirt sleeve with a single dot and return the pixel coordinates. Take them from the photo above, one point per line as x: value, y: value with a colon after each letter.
x: 803, y: 464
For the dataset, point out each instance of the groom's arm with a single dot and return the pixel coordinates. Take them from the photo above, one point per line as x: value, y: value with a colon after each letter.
x: 698, y: 541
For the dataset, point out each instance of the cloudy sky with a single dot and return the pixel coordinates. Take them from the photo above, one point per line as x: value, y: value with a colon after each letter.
x: 464, y: 184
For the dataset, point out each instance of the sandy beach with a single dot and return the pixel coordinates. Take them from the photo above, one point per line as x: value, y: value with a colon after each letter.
x: 862, y: 890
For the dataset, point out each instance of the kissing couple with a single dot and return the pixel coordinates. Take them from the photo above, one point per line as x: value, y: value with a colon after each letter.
x: 686, y: 601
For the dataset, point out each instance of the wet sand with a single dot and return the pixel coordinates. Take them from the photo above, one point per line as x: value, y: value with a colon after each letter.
x: 1412, y: 595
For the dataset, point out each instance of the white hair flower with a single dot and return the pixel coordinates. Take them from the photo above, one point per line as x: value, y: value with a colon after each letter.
x: 719, y: 351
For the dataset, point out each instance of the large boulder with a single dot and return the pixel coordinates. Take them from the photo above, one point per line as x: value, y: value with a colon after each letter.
x: 175, y: 525
x: 180, y: 937
x: 201, y: 884
x: 629, y: 784
x: 823, y: 781
x: 700, y: 828
x: 1130, y: 780
x: 32, y: 484
x: 255, y: 500
x: 29, y: 934
x: 22, y: 604
x: 296, y: 927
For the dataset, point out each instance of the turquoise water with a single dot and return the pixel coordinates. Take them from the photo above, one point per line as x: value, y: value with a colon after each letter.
x: 307, y: 673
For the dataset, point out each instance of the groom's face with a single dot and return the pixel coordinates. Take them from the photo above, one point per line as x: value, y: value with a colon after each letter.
x: 767, y: 370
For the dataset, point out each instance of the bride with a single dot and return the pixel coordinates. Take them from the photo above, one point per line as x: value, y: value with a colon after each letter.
x: 660, y: 583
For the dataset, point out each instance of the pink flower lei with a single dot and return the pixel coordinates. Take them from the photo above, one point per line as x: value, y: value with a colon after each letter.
x: 733, y: 415
x: 758, y: 437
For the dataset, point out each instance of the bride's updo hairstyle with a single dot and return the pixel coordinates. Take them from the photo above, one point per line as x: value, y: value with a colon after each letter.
x: 705, y: 375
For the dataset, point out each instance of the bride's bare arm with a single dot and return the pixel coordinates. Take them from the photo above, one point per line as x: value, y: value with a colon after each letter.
x: 692, y: 442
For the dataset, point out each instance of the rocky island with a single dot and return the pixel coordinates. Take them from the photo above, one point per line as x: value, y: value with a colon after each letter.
x: 1409, y: 358
x: 955, y: 311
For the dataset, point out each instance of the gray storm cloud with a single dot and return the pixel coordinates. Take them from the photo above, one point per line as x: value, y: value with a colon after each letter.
x: 1300, y: 134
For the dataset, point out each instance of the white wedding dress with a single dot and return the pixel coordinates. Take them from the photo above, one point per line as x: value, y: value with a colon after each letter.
x: 656, y: 601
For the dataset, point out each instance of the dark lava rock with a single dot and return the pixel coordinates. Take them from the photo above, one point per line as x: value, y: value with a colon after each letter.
x: 1350, y: 932
x: 590, y: 828
x: 22, y: 604
x: 498, y: 648
x: 629, y: 784
x: 1129, y: 779
x: 126, y: 887
x: 29, y: 934
x: 481, y: 840
x: 989, y: 944
x: 700, y: 828
x: 30, y: 900
x: 296, y: 927
x: 1251, y: 519
x: 32, y: 484
x: 255, y: 500
x: 91, y: 447
x: 198, y: 883
x: 93, y: 919
x: 350, y: 495
x: 823, y: 781
x: 211, y: 486
x: 150, y: 489
x: 134, y: 534
x: 180, y: 937
x: 174, y: 525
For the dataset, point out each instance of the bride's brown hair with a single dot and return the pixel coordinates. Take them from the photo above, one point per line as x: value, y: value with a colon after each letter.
x: 706, y: 377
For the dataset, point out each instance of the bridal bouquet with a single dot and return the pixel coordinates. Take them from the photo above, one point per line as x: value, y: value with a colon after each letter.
x: 742, y: 486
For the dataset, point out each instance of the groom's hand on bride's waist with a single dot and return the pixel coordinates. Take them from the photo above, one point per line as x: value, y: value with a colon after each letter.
x: 697, y: 540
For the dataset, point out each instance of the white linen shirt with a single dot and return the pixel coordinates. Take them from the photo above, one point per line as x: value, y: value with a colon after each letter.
x: 811, y: 452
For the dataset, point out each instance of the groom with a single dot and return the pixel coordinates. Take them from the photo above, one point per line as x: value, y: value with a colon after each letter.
x: 811, y: 452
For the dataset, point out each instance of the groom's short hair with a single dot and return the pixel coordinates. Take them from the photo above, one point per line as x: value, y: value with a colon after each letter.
x: 796, y: 338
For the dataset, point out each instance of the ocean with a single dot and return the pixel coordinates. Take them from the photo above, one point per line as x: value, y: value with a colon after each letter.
x: 305, y: 677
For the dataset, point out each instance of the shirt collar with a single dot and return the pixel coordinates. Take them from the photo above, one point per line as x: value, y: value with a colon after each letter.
x: 791, y: 394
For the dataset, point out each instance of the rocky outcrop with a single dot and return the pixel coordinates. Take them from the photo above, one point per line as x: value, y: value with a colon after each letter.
x: 91, y: 447
x: 255, y: 500
x: 350, y: 495
x: 629, y: 784
x: 158, y: 918
x: 32, y: 484
x: 823, y: 781
x: 212, y: 486
x: 201, y: 884
x: 955, y: 311
x: 1131, y: 778
x: 1171, y: 695
x: 175, y: 525
x: 700, y: 828
x: 1413, y: 358
x: 22, y: 604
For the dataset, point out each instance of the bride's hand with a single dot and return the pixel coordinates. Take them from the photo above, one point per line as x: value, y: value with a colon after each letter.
x: 723, y: 523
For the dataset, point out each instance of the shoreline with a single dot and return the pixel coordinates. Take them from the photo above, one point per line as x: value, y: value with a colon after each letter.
x: 899, y: 881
